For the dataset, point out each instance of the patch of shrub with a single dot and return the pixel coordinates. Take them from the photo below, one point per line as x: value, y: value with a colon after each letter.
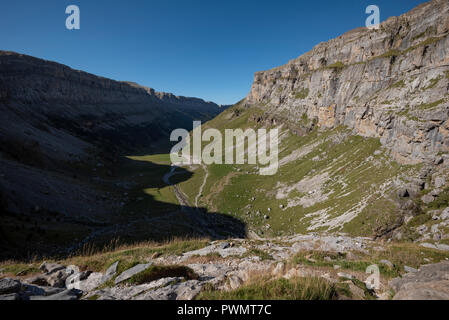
x: 302, y: 94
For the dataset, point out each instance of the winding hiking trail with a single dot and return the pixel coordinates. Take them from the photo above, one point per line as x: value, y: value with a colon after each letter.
x: 115, y: 228
x: 194, y: 213
x: 200, y: 192
x: 178, y: 193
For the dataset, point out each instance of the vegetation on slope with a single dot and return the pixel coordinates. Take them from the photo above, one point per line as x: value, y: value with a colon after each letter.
x: 336, y: 174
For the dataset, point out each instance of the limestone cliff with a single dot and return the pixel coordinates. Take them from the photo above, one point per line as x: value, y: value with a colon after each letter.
x: 390, y: 83
x: 64, y: 109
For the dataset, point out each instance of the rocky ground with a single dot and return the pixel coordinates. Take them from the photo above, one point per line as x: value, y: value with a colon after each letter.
x: 230, y: 266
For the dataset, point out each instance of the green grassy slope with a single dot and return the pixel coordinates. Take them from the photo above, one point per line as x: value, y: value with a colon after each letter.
x: 327, y: 181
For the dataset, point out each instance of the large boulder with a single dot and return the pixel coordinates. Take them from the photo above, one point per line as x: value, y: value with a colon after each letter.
x: 74, y: 279
x: 57, y: 279
x: 110, y: 273
x: 131, y: 292
x: 71, y: 294
x: 430, y: 282
x: 29, y: 290
x: 92, y: 282
x: 186, y: 290
x: 8, y: 286
x: 434, y: 290
x: 51, y: 267
x: 10, y: 296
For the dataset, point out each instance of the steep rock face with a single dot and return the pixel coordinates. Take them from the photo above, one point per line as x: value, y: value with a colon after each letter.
x: 390, y: 83
x: 63, y: 137
x: 65, y: 109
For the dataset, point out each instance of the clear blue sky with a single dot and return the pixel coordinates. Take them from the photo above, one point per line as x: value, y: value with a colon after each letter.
x: 203, y: 48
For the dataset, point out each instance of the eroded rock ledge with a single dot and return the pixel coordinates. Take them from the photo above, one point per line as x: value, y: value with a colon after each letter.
x: 390, y: 83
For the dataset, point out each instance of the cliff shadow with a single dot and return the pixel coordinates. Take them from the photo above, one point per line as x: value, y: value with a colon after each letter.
x: 149, y: 206
x: 158, y: 209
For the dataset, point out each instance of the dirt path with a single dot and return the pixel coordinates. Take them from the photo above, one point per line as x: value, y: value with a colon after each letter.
x: 115, y: 228
x: 200, y: 192
x: 193, y: 213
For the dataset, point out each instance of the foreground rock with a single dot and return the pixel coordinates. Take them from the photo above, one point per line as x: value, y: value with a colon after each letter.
x: 227, y: 266
x: 430, y: 282
x: 8, y: 286
x: 71, y: 294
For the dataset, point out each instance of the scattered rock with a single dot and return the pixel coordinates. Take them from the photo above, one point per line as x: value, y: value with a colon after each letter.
x: 387, y: 263
x: 110, y: 273
x: 72, y: 269
x: 427, y: 198
x: 73, y: 280
x: 345, y: 275
x: 214, y: 248
x: 410, y: 269
x: 131, y: 292
x: 428, y: 245
x: 50, y: 267
x: 422, y: 229
x: 357, y: 293
x: 278, y: 271
x: 293, y: 273
x: 57, y: 278
x: 39, y: 280
x: 351, y: 256
x: 224, y: 245
x: 125, y: 275
x: 210, y: 270
x: 440, y: 181
x: 8, y: 286
x: 32, y: 290
x: 434, y: 228
x: 11, y: 296
x: 71, y: 294
x: 442, y: 246
x: 186, y: 290
x: 445, y: 214
x: 436, y: 290
x: 93, y: 281
x: 234, y: 282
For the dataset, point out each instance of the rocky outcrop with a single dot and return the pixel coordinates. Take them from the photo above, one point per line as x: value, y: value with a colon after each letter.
x: 229, y: 265
x: 390, y: 83
x: 430, y: 282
